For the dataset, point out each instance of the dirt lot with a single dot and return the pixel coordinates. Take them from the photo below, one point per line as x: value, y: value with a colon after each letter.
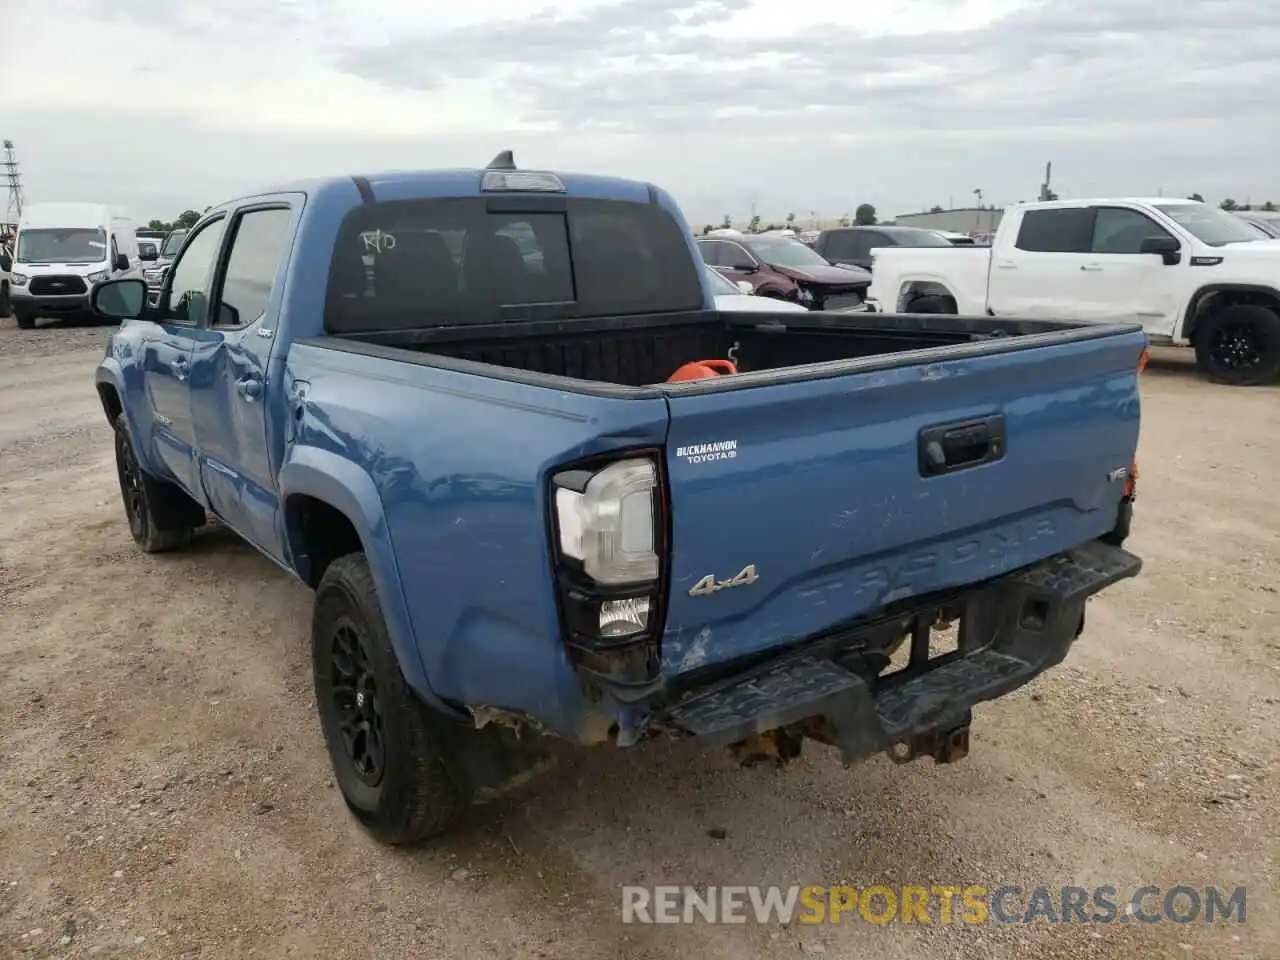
x: 164, y: 791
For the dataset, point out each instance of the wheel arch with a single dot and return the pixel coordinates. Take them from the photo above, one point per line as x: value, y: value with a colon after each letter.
x: 330, y: 506
x: 1211, y: 295
x: 109, y: 382
x: 910, y: 289
x: 109, y: 396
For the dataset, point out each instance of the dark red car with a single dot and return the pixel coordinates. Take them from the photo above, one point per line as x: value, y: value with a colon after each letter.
x: 786, y: 269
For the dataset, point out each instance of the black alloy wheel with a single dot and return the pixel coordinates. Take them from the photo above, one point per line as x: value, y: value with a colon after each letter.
x: 1239, y: 345
x: 354, y: 689
x: 132, y: 486
x: 387, y: 747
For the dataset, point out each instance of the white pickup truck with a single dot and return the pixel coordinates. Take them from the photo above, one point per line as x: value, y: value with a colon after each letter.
x: 1192, y: 274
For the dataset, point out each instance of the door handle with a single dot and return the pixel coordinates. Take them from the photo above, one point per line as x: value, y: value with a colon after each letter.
x: 180, y: 368
x: 1091, y: 267
x: 951, y: 447
x: 1006, y: 265
x: 249, y: 387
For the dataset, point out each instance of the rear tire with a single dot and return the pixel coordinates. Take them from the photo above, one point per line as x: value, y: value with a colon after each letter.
x: 1239, y: 345
x: 931, y: 303
x: 161, y: 516
x: 386, y: 746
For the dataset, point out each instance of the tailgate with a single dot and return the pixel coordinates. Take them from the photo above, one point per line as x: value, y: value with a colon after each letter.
x: 798, y: 506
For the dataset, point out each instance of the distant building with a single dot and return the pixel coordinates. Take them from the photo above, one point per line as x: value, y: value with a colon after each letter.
x: 963, y: 220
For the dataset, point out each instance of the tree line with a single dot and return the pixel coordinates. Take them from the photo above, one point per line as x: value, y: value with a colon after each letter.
x: 1230, y: 205
x: 863, y: 216
x: 186, y: 220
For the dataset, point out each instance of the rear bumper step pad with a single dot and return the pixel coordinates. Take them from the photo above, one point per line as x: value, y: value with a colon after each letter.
x: 1029, y: 620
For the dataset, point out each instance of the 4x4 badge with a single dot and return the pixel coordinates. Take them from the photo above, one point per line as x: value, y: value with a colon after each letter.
x: 709, y: 584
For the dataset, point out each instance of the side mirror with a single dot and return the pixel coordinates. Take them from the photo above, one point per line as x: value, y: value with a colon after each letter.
x: 744, y: 267
x: 123, y: 299
x: 148, y: 254
x: 121, y: 262
x: 1168, y: 249
x: 6, y: 262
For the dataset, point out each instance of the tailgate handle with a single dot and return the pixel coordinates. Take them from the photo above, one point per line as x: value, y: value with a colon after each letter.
x: 958, y: 446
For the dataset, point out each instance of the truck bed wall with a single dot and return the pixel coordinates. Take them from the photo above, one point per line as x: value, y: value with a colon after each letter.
x: 650, y: 352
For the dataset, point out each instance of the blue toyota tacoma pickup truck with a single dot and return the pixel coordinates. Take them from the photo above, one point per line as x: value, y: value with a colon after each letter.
x: 444, y: 400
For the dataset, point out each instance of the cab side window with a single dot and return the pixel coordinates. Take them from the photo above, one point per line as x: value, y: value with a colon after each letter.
x: 736, y: 257
x: 1056, y: 230
x: 873, y: 240
x: 842, y: 245
x: 1121, y: 230
x: 191, y: 278
x: 256, y: 249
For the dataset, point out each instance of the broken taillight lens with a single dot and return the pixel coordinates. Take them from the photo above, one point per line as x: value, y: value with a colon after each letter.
x: 609, y: 546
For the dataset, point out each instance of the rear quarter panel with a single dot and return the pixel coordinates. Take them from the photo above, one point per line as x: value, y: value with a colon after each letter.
x: 961, y: 270
x: 458, y: 464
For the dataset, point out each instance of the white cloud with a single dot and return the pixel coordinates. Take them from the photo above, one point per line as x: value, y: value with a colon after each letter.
x: 799, y: 106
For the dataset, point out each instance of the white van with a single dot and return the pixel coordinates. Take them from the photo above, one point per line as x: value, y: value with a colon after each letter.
x: 62, y: 250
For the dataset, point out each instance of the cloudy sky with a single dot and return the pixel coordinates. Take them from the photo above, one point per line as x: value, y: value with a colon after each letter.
x: 795, y: 105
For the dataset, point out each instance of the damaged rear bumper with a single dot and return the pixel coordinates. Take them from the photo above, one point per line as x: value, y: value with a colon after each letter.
x: 1011, y: 630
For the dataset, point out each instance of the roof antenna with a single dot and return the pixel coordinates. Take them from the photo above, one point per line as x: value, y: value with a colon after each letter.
x: 503, y: 161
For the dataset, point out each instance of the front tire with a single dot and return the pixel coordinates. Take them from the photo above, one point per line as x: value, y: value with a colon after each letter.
x: 386, y: 746
x: 161, y: 517
x: 26, y: 321
x: 6, y: 305
x: 1239, y: 345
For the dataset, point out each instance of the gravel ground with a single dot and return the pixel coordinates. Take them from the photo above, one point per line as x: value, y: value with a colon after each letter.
x: 164, y: 791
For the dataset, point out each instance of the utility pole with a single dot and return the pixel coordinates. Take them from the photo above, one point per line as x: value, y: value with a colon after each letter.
x: 1045, y: 192
x: 13, y: 177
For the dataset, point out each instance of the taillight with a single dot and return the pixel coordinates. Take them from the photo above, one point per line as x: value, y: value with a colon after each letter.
x: 1131, y: 481
x: 610, y: 539
x: 606, y: 521
x: 1143, y: 359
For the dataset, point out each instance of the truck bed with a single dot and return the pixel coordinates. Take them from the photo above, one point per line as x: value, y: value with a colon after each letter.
x: 645, y: 350
x: 911, y: 455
